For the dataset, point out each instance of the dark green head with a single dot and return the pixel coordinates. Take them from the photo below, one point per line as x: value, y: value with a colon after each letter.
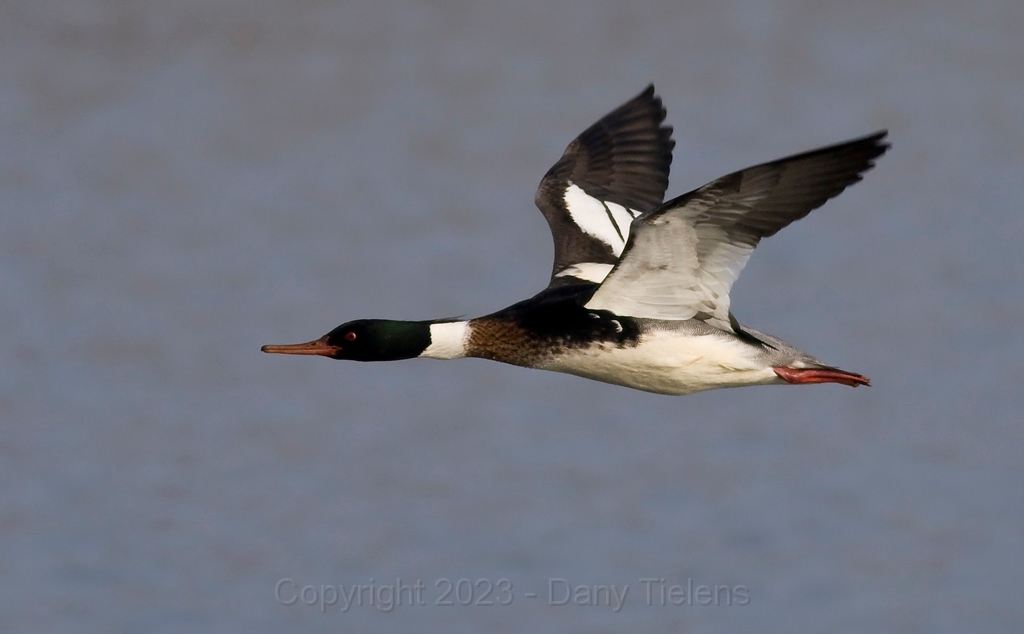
x: 366, y: 340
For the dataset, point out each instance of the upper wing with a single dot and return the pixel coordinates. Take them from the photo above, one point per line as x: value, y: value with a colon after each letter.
x: 682, y: 258
x: 609, y: 175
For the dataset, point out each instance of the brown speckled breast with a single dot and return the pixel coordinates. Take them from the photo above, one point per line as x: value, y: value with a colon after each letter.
x: 504, y: 340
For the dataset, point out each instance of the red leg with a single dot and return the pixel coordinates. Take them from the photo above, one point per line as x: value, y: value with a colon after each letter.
x: 821, y: 375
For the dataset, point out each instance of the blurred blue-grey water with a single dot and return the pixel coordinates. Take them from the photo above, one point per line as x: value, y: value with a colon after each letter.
x: 184, y: 181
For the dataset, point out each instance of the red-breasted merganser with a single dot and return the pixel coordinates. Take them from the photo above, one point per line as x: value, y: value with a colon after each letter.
x: 639, y: 291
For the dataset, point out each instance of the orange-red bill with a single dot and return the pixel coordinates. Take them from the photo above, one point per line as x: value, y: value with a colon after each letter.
x: 320, y: 347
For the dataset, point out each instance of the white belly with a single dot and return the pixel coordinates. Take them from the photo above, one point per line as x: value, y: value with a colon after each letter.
x: 669, y: 363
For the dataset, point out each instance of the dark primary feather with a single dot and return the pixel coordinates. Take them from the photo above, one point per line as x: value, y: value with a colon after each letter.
x: 759, y: 201
x: 681, y: 259
x: 624, y: 158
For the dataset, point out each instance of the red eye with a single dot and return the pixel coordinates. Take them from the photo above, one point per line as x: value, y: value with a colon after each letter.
x: 350, y: 336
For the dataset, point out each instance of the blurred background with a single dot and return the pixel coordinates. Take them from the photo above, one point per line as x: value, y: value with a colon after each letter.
x: 184, y: 181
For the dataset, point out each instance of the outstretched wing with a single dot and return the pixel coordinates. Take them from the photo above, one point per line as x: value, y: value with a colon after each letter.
x: 682, y: 258
x: 613, y: 172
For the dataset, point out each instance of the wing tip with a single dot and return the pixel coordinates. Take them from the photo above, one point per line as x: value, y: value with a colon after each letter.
x: 879, y: 140
x: 872, y: 145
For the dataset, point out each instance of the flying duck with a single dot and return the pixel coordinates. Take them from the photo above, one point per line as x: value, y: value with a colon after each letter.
x: 639, y: 290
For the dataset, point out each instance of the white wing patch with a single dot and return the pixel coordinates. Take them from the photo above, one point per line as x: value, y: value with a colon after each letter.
x: 675, y: 271
x: 606, y: 221
x: 589, y: 271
